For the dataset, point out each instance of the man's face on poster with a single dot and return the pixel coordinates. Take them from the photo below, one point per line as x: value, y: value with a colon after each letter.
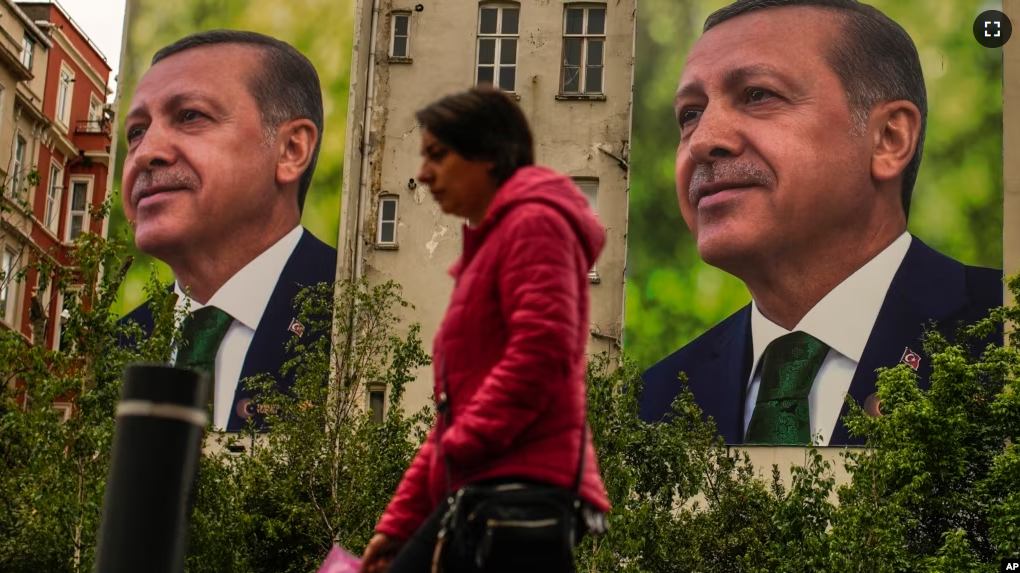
x: 769, y: 156
x: 199, y: 166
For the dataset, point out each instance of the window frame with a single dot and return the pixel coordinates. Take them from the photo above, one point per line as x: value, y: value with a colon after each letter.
x: 378, y: 416
x: 498, y: 36
x: 18, y: 165
x: 383, y: 199
x: 63, y: 409
x: 584, y: 184
x: 65, y: 98
x: 3, y: 93
x: 54, y: 194
x: 586, y: 38
x: 57, y: 317
x: 27, y: 52
x: 393, y: 35
x: 9, y: 291
x: 71, y: 211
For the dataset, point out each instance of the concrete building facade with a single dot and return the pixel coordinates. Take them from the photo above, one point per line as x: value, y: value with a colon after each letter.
x: 56, y: 128
x: 570, y: 67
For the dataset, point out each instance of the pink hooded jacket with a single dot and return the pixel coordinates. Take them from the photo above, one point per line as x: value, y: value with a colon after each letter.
x: 512, y: 345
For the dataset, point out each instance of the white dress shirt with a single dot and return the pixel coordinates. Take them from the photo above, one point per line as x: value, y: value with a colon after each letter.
x: 843, y: 320
x: 245, y: 297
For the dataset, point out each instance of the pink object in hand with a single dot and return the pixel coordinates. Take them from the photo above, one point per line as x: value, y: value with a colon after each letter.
x: 340, y: 561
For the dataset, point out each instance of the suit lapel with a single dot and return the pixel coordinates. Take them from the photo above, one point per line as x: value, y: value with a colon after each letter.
x: 721, y: 384
x: 909, y: 306
x: 267, y: 352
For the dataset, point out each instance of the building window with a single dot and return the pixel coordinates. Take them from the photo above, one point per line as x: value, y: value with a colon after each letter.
x: 17, y: 173
x: 65, y: 300
x: 62, y: 410
x: 387, y: 233
x: 377, y: 402
x: 8, y: 285
x: 497, y: 46
x: 64, y: 95
x: 95, y: 109
x: 51, y: 218
x: 590, y: 188
x: 584, y: 40
x: 77, y: 218
x: 400, y: 43
x: 27, y: 51
x: 95, y: 121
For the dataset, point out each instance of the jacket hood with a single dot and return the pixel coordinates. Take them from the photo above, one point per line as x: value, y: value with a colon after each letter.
x: 535, y: 184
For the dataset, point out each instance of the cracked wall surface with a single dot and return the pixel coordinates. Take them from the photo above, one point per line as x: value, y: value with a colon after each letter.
x: 583, y: 138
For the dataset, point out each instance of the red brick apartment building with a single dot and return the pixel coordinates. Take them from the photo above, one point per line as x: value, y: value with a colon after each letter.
x: 56, y: 151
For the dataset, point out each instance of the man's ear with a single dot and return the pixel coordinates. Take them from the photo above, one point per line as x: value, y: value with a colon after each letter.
x: 296, y: 141
x: 896, y: 127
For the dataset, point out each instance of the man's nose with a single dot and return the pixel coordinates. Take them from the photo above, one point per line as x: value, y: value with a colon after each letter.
x: 156, y: 148
x: 717, y: 135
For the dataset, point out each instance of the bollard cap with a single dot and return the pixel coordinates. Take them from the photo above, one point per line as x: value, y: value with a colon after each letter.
x: 162, y: 384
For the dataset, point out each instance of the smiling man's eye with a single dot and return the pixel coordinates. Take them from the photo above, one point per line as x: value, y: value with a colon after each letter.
x: 758, y: 94
x: 135, y: 132
x: 688, y: 115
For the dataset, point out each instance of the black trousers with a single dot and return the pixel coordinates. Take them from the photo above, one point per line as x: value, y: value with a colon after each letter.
x: 416, y: 555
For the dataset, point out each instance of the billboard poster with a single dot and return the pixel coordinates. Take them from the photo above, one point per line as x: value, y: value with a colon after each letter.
x: 230, y: 158
x: 757, y: 180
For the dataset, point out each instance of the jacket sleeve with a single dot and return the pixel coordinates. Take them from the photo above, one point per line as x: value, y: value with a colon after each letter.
x: 538, y: 290
x: 411, y: 505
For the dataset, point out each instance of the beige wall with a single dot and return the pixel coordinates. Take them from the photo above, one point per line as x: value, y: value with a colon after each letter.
x: 20, y: 113
x: 12, y: 31
x: 1011, y: 146
x: 571, y: 136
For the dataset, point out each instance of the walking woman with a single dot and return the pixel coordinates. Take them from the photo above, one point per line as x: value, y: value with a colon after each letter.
x: 507, y: 479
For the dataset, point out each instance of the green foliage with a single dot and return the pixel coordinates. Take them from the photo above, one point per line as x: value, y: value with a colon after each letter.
x: 326, y: 470
x: 324, y: 474
x: 153, y: 24
x: 936, y: 489
x: 53, y: 472
x: 672, y: 296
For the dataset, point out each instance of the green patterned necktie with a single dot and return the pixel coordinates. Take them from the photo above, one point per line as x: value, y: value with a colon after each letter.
x: 203, y: 332
x: 782, y: 414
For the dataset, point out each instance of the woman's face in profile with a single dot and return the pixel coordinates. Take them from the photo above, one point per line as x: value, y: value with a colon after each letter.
x: 461, y: 187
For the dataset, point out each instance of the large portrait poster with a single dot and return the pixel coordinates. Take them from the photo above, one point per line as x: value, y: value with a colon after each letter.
x: 213, y: 156
x: 674, y: 298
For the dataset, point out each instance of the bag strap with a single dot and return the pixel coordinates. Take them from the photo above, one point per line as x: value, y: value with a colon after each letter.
x: 444, y: 408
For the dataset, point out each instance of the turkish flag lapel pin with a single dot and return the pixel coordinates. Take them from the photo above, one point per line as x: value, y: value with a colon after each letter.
x: 911, y: 358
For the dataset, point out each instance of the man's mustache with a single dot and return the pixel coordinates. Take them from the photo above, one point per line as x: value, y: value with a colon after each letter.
x: 170, y: 178
x: 746, y: 174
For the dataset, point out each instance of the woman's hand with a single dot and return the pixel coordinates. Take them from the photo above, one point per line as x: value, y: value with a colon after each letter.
x: 380, y: 551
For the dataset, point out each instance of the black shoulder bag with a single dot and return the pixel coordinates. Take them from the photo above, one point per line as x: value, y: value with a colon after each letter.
x: 510, y: 527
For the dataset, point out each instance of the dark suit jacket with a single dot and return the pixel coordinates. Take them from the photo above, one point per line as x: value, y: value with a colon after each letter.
x: 928, y: 286
x: 311, y: 262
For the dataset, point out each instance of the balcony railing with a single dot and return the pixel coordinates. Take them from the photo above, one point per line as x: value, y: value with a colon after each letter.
x: 97, y: 126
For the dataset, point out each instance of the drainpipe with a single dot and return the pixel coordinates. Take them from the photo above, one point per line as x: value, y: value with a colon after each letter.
x: 363, y: 188
x: 626, y: 210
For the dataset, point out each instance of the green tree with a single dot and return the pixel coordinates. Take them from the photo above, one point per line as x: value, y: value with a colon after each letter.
x: 323, y: 474
x: 326, y: 470
x: 936, y: 489
x: 53, y: 471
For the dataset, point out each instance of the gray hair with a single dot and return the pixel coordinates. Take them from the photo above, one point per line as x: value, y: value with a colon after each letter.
x: 875, y: 60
